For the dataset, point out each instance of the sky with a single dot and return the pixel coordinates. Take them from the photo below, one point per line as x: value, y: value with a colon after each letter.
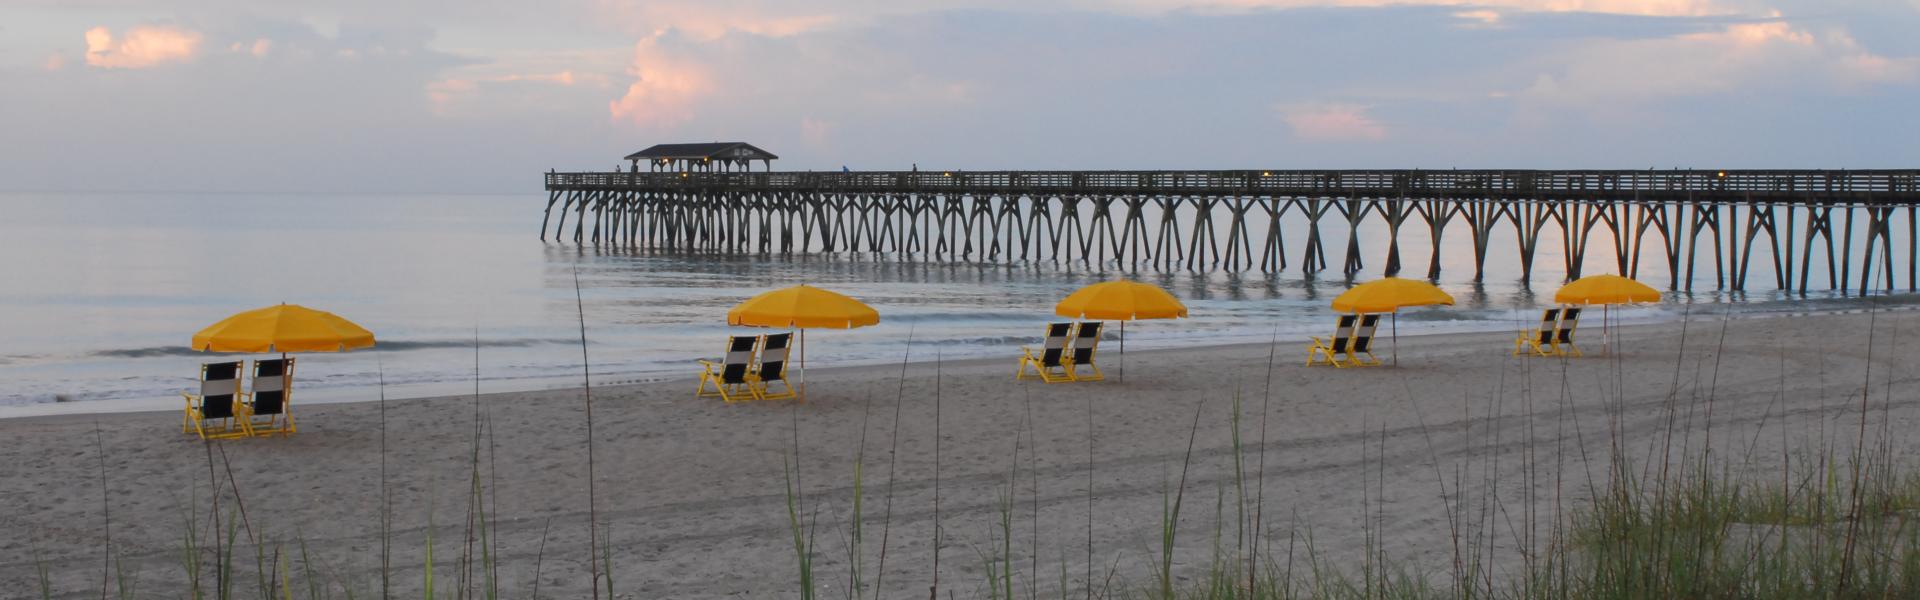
x: 481, y: 96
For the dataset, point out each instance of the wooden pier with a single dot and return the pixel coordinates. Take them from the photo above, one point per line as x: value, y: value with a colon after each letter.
x: 1241, y: 220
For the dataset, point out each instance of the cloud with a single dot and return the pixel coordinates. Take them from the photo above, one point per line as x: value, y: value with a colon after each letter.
x: 665, y: 90
x: 815, y: 131
x: 141, y: 47
x: 1481, y: 18
x: 709, y: 19
x: 1332, y: 123
x: 1739, y: 57
x: 467, y: 96
x: 258, y: 48
x: 1005, y: 86
x: 1650, y: 8
x: 55, y: 62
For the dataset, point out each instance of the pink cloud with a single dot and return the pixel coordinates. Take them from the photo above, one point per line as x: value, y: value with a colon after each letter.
x: 665, y: 88
x: 141, y: 47
x: 1605, y: 74
x: 816, y: 131
x: 1483, y: 18
x: 1333, y: 123
x: 55, y: 62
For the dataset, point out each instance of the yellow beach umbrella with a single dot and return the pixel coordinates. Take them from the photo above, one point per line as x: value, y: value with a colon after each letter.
x: 283, y: 328
x: 1121, y: 300
x: 1389, y: 295
x: 1606, y: 291
x: 802, y: 307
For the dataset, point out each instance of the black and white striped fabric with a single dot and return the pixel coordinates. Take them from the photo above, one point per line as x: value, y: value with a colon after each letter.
x: 773, y: 358
x: 271, y: 380
x: 1085, y: 339
x: 1056, y: 345
x: 1568, y: 321
x: 1363, y: 337
x: 219, y: 386
x: 739, y: 358
x: 1343, y: 333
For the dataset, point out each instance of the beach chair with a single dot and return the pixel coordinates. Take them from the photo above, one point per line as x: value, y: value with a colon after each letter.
x: 1539, y: 341
x: 773, y: 368
x: 1563, y: 337
x: 1363, y: 343
x: 1336, y: 347
x: 1051, y: 364
x: 729, y: 376
x: 1086, y: 339
x: 269, y: 402
x: 216, y: 412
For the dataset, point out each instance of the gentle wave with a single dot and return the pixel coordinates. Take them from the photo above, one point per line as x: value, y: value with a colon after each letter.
x: 383, y: 345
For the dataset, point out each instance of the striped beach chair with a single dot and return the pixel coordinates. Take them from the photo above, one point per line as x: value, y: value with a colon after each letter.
x: 1539, y: 341
x: 1335, y: 350
x: 1563, y: 335
x: 1051, y: 363
x: 729, y: 376
x: 773, y: 368
x: 216, y: 412
x: 270, y: 401
x: 1363, y: 343
x: 1086, y: 340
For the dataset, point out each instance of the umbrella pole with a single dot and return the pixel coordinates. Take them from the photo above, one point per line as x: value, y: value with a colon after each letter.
x: 1123, y: 351
x: 802, y: 396
x: 1396, y: 338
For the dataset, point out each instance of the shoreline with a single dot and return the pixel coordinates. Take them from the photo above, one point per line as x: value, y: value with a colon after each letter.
x: 355, y: 394
x: 1108, y: 352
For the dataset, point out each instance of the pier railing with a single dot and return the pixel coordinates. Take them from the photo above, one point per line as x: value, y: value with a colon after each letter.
x: 1899, y: 187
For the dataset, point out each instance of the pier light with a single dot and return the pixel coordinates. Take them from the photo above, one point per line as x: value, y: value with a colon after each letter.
x: 1723, y: 174
x: 947, y: 174
x: 1266, y: 173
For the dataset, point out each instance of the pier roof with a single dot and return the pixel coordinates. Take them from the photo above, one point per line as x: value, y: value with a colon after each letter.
x: 712, y: 151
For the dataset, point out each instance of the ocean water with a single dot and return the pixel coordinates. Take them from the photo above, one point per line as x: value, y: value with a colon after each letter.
x: 99, y: 294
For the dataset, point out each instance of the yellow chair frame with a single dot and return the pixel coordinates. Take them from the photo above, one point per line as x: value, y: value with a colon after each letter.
x: 1554, y: 337
x: 1362, y: 342
x: 1060, y: 364
x: 1335, y: 345
x: 1540, y: 341
x: 278, y: 422
x: 716, y: 372
x: 1563, y: 334
x: 757, y: 378
x: 237, y: 424
x: 1079, y: 353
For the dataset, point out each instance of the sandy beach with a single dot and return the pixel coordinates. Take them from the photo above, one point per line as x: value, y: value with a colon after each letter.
x: 692, y: 495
